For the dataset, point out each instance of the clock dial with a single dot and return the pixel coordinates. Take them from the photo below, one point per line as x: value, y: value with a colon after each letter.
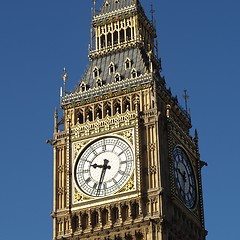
x: 104, y: 166
x: 184, y: 176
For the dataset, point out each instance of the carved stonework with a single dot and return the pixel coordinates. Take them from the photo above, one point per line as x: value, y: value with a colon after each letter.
x: 129, y: 186
x: 153, y: 169
x: 79, y: 197
x: 128, y: 134
x: 104, y: 125
x: 60, y: 168
x: 151, y: 147
x: 78, y: 146
x: 61, y: 190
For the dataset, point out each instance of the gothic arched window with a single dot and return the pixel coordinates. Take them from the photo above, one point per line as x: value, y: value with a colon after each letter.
x: 134, y: 73
x: 83, y: 87
x: 122, y: 36
x: 128, y: 34
x: 80, y: 118
x: 94, y: 219
x: 109, y: 39
x: 117, y: 77
x: 99, y: 82
x: 115, y: 38
x: 107, y: 109
x: 103, y: 41
x: 98, y: 111
x: 128, y: 63
x: 111, y: 68
x: 95, y: 72
x: 115, y: 215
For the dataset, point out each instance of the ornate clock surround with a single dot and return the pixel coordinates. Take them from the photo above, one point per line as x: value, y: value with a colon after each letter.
x: 129, y: 188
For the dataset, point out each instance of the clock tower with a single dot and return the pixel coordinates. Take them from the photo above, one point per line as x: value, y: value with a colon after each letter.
x: 125, y: 164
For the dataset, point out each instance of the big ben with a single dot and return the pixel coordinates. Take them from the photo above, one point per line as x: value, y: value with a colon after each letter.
x: 125, y: 164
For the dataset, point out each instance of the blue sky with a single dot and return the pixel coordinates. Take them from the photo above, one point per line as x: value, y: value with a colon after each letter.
x: 199, y: 43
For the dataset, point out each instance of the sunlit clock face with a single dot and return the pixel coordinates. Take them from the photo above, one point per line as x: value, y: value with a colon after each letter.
x: 104, y: 167
x: 184, y: 176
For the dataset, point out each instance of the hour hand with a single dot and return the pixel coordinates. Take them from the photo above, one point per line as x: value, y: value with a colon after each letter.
x: 183, y: 175
x: 105, y: 166
x: 96, y: 166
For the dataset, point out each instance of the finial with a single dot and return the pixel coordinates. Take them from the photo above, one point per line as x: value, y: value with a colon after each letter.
x: 152, y: 11
x: 186, y: 97
x: 64, y: 77
x: 56, y: 120
x: 56, y: 112
x: 196, y: 134
x: 94, y: 7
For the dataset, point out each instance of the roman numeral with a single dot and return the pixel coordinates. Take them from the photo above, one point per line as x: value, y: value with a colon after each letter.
x: 103, y: 148
x: 121, y: 172
x: 88, y: 180
x: 83, y: 171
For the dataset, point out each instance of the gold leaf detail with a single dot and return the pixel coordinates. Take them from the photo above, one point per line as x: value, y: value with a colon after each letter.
x: 78, y: 197
x: 129, y: 185
x: 78, y: 147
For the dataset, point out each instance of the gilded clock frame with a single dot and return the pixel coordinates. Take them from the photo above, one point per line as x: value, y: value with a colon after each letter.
x: 127, y: 135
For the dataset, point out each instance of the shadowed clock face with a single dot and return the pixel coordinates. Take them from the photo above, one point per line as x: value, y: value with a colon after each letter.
x: 104, y: 166
x: 184, y: 176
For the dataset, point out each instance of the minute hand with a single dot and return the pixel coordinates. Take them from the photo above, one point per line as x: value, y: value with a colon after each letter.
x: 104, y: 168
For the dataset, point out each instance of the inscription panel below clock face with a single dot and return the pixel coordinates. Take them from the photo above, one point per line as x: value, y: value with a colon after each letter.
x: 104, y: 166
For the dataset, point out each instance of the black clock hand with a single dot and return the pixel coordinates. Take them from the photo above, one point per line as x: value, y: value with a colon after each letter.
x: 95, y: 166
x: 183, y: 175
x: 104, y: 168
x: 99, y: 166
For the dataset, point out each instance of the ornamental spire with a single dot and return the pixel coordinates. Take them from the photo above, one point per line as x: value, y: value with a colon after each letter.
x: 64, y: 78
x: 94, y: 7
x: 186, y: 97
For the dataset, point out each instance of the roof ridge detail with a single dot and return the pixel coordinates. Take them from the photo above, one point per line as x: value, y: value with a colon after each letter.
x: 114, y: 5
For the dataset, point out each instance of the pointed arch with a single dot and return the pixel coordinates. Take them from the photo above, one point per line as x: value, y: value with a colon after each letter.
x: 126, y: 104
x: 94, y: 219
x: 104, y: 217
x: 107, y: 109
x: 89, y: 114
x: 125, y: 212
x: 84, y: 221
x: 98, y: 111
x: 95, y: 72
x: 109, y: 39
x: 122, y: 38
x: 99, y: 82
x: 83, y: 86
x: 117, y: 77
x: 115, y: 215
x: 135, y: 210
x: 134, y: 73
x: 128, y: 63
x: 128, y: 34
x: 111, y: 68
x: 80, y: 116
x: 103, y: 41
x: 116, y: 106
x: 115, y: 37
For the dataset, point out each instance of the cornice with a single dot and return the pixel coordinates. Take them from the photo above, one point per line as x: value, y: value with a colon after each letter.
x: 109, y: 17
x: 123, y: 86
